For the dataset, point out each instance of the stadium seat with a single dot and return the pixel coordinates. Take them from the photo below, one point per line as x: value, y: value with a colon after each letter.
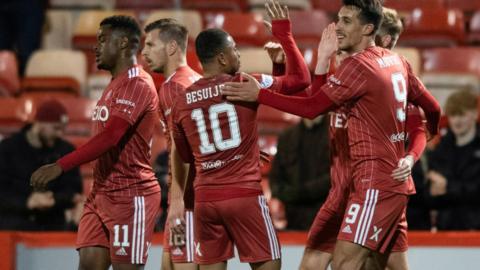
x: 450, y: 69
x: 79, y: 111
x: 474, y: 34
x: 307, y: 26
x: 413, y: 57
x: 409, y: 5
x: 59, y: 32
x: 9, y: 80
x: 273, y: 121
x: 96, y: 83
x: 144, y: 4
x: 56, y: 70
x: 292, y: 4
x: 85, y: 32
x: 467, y: 6
x: 433, y: 28
x: 247, y: 29
x: 84, y: 4
x: 190, y: 18
x: 255, y: 60
x: 330, y: 6
x: 215, y: 5
x: 14, y: 113
x: 310, y: 56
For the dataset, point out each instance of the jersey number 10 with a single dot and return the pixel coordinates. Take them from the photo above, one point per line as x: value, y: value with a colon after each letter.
x: 219, y: 143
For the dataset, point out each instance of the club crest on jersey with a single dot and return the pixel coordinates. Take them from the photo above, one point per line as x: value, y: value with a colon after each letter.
x: 334, y: 80
x: 100, y: 113
x: 266, y: 81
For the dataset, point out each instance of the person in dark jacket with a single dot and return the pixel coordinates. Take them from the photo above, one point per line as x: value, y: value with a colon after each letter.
x: 454, y: 166
x: 300, y: 173
x: 39, y: 143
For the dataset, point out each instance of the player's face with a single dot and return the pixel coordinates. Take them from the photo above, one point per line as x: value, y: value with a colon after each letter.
x: 232, y: 57
x: 463, y: 123
x: 349, y: 29
x: 49, y: 132
x: 155, y: 51
x: 106, y: 50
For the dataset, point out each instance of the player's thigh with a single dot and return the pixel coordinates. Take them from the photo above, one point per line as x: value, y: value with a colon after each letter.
x: 166, y: 261
x: 315, y: 259
x: 324, y: 230
x: 130, y: 222
x: 127, y: 266
x: 268, y: 265
x: 215, y: 266
x: 397, y: 261
x: 185, y: 266
x: 94, y: 258
x: 249, y: 224
x: 349, y: 256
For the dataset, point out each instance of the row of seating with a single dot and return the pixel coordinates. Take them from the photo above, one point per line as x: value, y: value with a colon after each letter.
x: 245, y: 5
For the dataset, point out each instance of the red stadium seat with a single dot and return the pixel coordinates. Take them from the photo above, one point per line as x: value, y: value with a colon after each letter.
x: 9, y: 80
x: 307, y: 26
x: 433, y: 28
x: 215, y: 5
x: 409, y: 5
x: 452, y: 60
x: 14, y: 113
x: 330, y: 6
x: 468, y: 6
x: 247, y: 29
x: 474, y: 35
x: 292, y: 4
x: 144, y: 4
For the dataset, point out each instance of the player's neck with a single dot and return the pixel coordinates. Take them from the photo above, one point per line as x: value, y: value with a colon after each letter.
x: 172, y: 66
x: 364, y: 44
x: 123, y: 64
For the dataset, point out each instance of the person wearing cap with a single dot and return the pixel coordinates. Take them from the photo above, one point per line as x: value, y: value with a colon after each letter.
x: 36, y: 144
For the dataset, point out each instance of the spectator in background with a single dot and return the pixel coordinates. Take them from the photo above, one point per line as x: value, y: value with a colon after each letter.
x: 454, y: 166
x: 37, y: 144
x: 300, y: 174
x: 21, y: 25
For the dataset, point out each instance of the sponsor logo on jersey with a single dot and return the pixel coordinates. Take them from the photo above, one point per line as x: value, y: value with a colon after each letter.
x: 334, y: 80
x: 121, y: 252
x: 208, y: 165
x: 397, y: 137
x: 125, y: 102
x: 266, y: 81
x: 100, y: 113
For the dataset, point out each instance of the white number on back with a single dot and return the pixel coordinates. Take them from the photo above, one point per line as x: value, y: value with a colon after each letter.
x: 400, y: 91
x: 221, y: 144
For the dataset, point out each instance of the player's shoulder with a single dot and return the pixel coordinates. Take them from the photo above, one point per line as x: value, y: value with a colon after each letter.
x: 183, y: 77
x: 138, y: 79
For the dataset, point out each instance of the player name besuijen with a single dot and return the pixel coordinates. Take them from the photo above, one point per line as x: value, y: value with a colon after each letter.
x: 205, y: 93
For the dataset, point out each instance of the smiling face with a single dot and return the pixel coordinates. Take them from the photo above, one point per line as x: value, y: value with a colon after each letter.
x: 155, y: 51
x: 349, y: 29
x: 231, y: 57
x: 463, y: 123
x: 106, y: 49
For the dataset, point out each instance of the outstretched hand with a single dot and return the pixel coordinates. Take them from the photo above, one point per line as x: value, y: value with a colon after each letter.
x: 246, y: 90
x: 276, y: 52
x: 275, y: 11
x: 43, y: 175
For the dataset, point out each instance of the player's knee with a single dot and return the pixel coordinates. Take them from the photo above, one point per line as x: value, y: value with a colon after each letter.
x: 93, y: 259
x: 268, y: 265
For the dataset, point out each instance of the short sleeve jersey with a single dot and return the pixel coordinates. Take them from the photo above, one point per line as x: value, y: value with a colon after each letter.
x: 125, y: 169
x: 221, y: 135
x: 375, y: 86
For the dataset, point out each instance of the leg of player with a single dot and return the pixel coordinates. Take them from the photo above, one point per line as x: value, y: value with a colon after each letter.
x: 185, y: 266
x: 397, y: 261
x: 94, y: 258
x: 269, y: 265
x: 315, y: 259
x: 349, y: 256
x: 215, y: 266
x: 166, y: 261
x: 123, y: 266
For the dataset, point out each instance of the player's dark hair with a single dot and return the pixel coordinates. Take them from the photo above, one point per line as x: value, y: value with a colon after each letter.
x: 127, y: 26
x: 370, y: 11
x: 210, y: 43
x: 170, y: 29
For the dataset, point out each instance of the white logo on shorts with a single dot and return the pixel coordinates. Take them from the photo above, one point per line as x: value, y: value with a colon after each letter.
x: 197, y: 249
x: 376, y: 233
x: 347, y: 229
x: 177, y: 252
x: 121, y: 252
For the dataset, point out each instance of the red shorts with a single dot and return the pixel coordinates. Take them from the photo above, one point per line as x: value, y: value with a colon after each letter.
x: 180, y: 253
x: 244, y: 222
x: 324, y: 230
x: 372, y: 219
x: 122, y: 224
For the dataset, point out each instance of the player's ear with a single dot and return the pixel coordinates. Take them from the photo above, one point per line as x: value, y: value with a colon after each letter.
x: 368, y: 29
x: 172, y: 47
x: 222, y: 59
x: 123, y: 42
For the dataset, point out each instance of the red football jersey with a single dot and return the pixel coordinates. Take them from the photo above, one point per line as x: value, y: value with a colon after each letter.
x: 221, y: 135
x: 173, y: 86
x: 375, y: 85
x: 125, y: 169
